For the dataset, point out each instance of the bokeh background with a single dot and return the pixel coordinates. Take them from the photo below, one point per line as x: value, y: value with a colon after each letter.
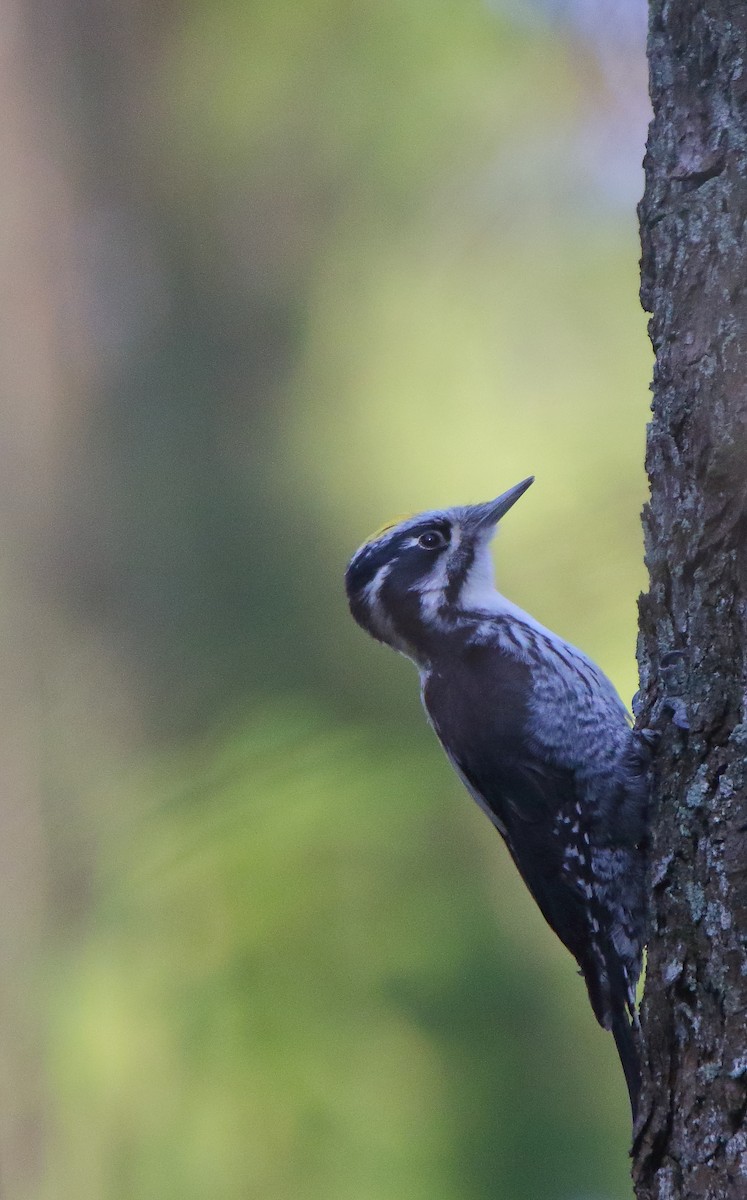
x: 272, y: 274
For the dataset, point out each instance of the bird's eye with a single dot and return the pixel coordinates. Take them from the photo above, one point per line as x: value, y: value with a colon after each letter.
x: 432, y: 539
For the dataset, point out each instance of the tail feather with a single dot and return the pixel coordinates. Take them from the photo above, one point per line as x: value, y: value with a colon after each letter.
x: 622, y: 1031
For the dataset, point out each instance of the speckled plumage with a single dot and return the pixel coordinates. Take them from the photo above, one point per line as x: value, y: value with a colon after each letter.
x: 535, y: 731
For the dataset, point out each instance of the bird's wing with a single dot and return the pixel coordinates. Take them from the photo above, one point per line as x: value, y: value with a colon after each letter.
x: 535, y: 810
x: 480, y: 715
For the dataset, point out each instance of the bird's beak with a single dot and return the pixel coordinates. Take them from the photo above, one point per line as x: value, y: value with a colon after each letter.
x: 484, y: 517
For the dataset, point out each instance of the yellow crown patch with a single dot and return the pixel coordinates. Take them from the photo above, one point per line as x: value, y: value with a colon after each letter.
x: 385, y: 528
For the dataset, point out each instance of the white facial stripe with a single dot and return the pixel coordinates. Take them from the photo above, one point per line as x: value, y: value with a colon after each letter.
x: 379, y: 619
x: 372, y: 597
x: 431, y: 589
x: 372, y: 590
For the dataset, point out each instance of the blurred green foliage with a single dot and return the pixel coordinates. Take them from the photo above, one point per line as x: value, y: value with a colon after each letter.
x: 304, y: 977
x: 300, y: 965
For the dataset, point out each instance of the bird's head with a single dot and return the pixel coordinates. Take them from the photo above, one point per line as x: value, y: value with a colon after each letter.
x: 411, y: 577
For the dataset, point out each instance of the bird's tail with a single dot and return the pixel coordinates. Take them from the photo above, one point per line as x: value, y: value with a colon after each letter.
x: 622, y: 1031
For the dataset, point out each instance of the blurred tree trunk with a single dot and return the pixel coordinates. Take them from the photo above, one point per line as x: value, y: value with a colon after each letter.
x: 49, y: 371
x: 691, y: 1136
x: 34, y: 255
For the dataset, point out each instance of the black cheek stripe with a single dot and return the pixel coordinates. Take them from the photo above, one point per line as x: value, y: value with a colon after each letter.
x: 458, y: 574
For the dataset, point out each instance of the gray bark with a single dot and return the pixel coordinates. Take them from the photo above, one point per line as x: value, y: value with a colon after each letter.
x: 691, y: 1136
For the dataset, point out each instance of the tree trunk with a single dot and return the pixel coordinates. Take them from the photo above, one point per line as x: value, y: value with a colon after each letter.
x: 691, y: 1136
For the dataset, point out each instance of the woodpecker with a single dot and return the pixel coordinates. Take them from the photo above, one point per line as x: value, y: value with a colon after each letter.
x: 536, y: 733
